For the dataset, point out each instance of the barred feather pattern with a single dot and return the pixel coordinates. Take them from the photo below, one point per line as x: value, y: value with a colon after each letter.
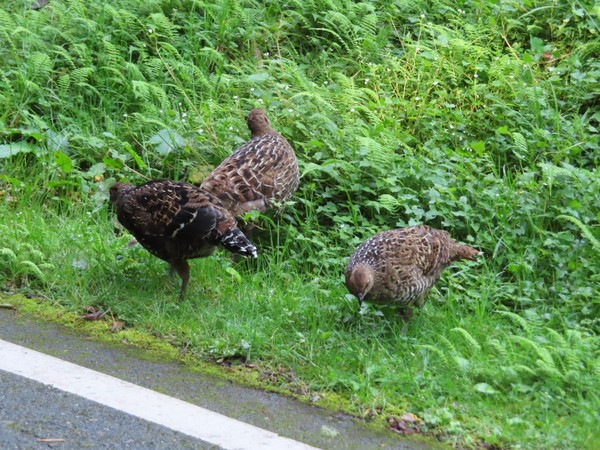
x: 400, y: 266
x: 177, y: 221
x: 262, y: 171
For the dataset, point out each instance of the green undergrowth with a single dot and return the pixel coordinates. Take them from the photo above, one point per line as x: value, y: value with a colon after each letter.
x: 480, y: 118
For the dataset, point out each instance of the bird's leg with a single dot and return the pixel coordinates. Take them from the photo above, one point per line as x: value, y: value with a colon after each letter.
x: 183, y: 270
x: 406, y: 314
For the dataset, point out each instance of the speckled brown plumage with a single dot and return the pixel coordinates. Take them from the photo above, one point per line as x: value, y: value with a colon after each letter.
x: 400, y: 266
x: 262, y: 171
x: 177, y: 221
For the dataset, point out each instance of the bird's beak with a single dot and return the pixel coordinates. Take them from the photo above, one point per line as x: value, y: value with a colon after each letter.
x: 360, y: 296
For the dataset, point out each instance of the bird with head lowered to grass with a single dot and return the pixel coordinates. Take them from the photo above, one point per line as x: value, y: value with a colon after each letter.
x: 399, y: 267
x: 176, y: 221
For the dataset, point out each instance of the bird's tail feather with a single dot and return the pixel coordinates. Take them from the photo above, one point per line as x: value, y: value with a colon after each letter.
x: 236, y: 242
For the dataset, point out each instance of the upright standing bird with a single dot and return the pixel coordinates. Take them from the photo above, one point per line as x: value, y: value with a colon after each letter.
x: 398, y: 267
x: 177, y: 221
x: 262, y: 171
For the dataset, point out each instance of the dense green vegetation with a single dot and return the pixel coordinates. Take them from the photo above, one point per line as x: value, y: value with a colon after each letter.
x: 479, y: 117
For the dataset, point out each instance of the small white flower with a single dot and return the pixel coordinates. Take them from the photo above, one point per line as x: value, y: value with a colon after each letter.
x: 475, y: 76
x: 150, y: 30
x: 235, y: 97
x: 230, y: 128
x: 435, y: 83
x: 325, y: 82
x: 417, y: 98
x: 352, y: 110
x: 452, y: 127
x: 286, y: 87
x: 184, y: 115
x: 290, y: 110
x: 200, y: 131
x: 251, y: 89
x: 125, y: 115
x: 267, y: 54
x: 422, y: 16
x: 260, y: 100
x: 366, y: 80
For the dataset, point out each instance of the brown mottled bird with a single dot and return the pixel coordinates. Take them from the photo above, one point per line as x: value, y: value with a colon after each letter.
x: 262, y: 171
x: 398, y: 267
x: 177, y: 221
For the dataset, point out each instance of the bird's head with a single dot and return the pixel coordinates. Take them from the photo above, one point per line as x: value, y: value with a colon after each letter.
x: 118, y: 191
x: 258, y: 122
x: 361, y: 281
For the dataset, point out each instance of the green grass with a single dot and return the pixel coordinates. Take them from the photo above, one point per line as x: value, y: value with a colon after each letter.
x: 476, y: 117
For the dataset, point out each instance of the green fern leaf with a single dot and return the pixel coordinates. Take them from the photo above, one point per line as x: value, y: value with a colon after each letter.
x: 584, y: 230
x: 518, y: 320
x: 473, y: 344
x: 521, y: 149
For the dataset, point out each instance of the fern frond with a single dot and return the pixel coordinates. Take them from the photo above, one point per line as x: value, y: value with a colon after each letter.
x: 548, y: 369
x: 162, y: 25
x: 498, y: 347
x: 81, y: 75
x: 32, y: 268
x: 521, y: 145
x: 449, y: 345
x: 389, y: 202
x: 141, y: 90
x: 7, y: 24
x: 522, y: 369
x: 515, y: 318
x: 558, y: 338
x: 439, y: 352
x: 8, y: 253
x: 473, y: 344
x: 584, y: 230
x: 40, y: 66
x: 379, y: 155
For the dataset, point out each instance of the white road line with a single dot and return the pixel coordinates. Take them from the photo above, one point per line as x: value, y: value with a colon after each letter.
x: 170, y: 412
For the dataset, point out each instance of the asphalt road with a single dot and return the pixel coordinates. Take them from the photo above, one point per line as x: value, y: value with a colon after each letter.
x: 31, y: 411
x: 36, y: 416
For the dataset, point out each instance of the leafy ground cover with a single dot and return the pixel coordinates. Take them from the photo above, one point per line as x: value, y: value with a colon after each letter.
x: 473, y: 116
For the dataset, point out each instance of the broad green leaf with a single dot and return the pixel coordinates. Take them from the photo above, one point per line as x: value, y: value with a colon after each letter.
x: 258, y: 77
x: 7, y: 150
x: 236, y: 275
x: 63, y: 161
x: 485, y: 388
x: 167, y: 140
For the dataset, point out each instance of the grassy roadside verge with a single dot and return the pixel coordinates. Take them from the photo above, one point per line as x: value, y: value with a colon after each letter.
x: 477, y: 117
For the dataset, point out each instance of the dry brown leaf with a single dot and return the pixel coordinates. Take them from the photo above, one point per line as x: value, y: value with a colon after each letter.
x: 92, y: 313
x: 405, y: 425
x: 117, y: 325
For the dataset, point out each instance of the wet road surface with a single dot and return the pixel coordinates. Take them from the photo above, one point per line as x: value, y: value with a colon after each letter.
x: 30, y: 411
